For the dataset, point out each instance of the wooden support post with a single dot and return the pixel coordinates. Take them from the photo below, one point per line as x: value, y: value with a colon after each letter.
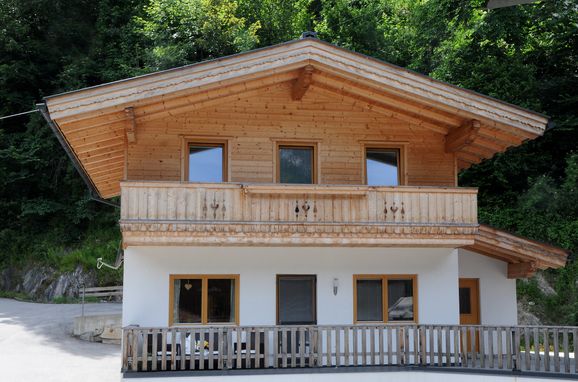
x: 130, y: 129
x: 521, y: 270
x: 462, y: 136
x: 302, y: 84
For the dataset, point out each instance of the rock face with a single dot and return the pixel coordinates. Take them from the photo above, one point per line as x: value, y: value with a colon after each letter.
x: 525, y: 317
x: 44, y: 283
x: 543, y: 285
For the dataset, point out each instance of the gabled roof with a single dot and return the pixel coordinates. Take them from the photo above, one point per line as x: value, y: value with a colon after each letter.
x: 95, y: 121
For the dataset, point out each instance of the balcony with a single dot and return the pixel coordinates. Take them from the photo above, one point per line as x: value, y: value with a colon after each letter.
x: 159, y: 213
x: 515, y: 349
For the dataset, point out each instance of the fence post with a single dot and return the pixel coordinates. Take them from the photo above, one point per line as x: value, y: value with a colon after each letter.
x: 83, y: 293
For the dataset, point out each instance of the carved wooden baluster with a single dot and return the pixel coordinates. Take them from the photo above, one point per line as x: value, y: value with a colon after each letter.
x: 224, y: 209
x: 394, y: 209
x: 315, y: 209
x: 385, y: 210
x: 297, y: 210
x: 205, y: 208
x: 306, y: 208
x: 214, y: 206
x: 402, y: 211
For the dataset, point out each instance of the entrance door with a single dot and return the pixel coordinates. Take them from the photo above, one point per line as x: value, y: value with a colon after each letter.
x: 469, y: 302
x: 470, y: 308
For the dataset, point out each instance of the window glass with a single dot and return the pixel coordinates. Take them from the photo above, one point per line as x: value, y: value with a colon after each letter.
x: 221, y: 300
x: 465, y: 301
x: 187, y: 301
x: 204, y: 299
x: 295, y: 164
x: 206, y: 163
x: 382, y: 167
x: 400, y: 300
x: 369, y: 300
x: 296, y: 299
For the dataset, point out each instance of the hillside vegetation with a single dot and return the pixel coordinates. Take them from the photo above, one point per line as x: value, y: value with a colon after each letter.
x: 527, y: 55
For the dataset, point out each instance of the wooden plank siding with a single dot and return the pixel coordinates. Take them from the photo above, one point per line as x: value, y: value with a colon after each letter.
x: 342, y: 94
x: 252, y: 125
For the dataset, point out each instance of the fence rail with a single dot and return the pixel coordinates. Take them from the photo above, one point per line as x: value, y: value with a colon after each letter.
x: 518, y: 348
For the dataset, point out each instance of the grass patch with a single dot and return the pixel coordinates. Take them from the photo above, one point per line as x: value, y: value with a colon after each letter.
x: 74, y: 300
x: 15, y: 295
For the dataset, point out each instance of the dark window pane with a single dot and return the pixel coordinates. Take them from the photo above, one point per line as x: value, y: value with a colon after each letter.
x: 381, y: 166
x: 221, y: 300
x: 465, y: 301
x: 400, y: 300
x: 296, y: 302
x: 187, y: 301
x: 296, y: 165
x: 369, y: 300
x: 205, y: 163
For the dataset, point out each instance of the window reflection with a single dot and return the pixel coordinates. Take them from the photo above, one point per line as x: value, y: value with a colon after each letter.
x: 295, y: 164
x: 382, y: 167
x: 206, y: 163
x: 400, y: 300
x: 373, y: 291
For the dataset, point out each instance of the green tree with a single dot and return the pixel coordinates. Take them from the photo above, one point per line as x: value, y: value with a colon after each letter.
x: 179, y: 32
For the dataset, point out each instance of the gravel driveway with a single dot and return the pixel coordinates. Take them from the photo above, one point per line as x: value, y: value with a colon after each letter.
x: 36, y: 344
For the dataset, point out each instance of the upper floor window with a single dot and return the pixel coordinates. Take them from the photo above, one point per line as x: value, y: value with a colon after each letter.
x: 296, y: 164
x: 204, y: 299
x: 382, y: 166
x: 206, y: 162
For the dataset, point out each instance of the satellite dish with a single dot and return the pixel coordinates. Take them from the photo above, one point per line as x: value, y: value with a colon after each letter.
x: 493, y: 4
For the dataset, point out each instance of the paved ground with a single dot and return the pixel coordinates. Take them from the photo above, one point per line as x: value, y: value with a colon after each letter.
x: 36, y: 344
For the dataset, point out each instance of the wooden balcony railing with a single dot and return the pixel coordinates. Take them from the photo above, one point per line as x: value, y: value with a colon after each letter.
x: 528, y: 349
x: 236, y: 213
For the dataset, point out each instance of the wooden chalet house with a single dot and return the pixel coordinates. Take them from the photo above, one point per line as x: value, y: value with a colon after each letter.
x: 295, y: 209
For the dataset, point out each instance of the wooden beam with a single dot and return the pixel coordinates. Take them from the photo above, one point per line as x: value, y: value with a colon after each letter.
x: 302, y: 84
x: 130, y: 129
x: 521, y: 270
x: 383, y: 109
x: 211, y: 99
x: 379, y: 95
x: 463, y: 136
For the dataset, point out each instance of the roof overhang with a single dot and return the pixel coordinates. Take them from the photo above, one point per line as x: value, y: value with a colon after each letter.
x: 524, y: 256
x: 96, y: 122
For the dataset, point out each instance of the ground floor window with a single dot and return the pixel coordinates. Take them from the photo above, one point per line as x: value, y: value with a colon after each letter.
x: 296, y: 299
x: 204, y: 299
x: 385, y: 298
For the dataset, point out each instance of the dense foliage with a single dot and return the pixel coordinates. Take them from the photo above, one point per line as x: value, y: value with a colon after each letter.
x: 527, y: 55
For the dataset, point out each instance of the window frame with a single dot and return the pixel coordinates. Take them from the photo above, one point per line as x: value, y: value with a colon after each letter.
x: 208, y: 142
x: 384, y: 296
x: 204, y: 297
x: 299, y: 145
x: 401, y: 167
x: 295, y: 276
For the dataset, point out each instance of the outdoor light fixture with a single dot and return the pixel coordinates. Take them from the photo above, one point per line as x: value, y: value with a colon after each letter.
x: 335, y: 286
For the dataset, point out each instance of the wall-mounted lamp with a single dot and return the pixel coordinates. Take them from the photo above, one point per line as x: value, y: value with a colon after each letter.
x: 335, y: 286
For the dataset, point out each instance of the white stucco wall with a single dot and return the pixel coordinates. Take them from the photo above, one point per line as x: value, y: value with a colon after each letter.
x: 497, y: 293
x: 147, y: 270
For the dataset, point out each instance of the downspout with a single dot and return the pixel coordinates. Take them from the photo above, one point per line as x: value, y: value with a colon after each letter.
x: 75, y: 162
